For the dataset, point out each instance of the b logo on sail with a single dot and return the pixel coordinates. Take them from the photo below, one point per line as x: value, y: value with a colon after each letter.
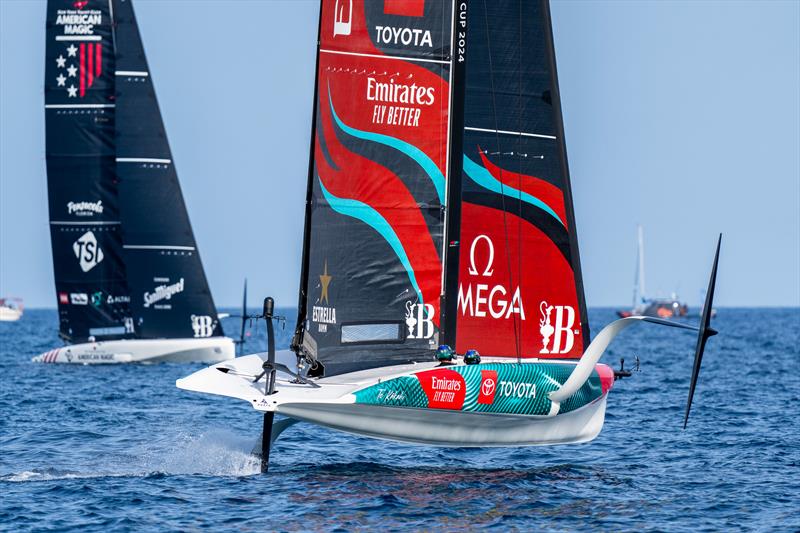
x: 419, y: 319
x: 202, y: 325
x: 558, y: 332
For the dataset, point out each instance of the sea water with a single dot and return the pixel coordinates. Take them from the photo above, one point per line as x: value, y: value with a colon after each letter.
x: 121, y: 448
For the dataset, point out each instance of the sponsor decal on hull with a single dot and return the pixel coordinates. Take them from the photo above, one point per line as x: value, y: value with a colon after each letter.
x: 503, y: 388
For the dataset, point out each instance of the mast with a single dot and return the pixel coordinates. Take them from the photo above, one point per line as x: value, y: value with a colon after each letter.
x: 170, y: 293
x: 640, y: 267
x: 85, y: 229
x: 453, y: 228
x: 297, y: 339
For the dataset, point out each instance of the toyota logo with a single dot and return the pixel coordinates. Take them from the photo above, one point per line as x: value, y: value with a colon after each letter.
x: 487, y: 388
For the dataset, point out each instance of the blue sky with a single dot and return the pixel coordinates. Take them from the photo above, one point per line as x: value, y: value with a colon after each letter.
x: 681, y: 116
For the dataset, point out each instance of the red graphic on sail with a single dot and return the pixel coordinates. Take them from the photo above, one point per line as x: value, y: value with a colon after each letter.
x: 406, y: 8
x: 79, y: 67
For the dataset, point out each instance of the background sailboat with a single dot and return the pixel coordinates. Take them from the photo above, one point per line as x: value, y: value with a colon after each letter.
x: 438, y: 212
x: 129, y: 280
x: 670, y: 307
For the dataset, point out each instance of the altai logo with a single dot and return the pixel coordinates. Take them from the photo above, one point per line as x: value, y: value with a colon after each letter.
x: 87, y: 251
x: 560, y: 330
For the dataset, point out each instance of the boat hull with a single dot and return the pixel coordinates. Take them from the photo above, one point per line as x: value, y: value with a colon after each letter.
x: 206, y: 350
x: 426, y: 403
x: 453, y: 428
x: 9, y: 314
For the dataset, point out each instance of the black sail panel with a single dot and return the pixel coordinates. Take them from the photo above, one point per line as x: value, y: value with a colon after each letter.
x: 92, y: 292
x: 520, y: 292
x: 375, y: 222
x: 170, y: 297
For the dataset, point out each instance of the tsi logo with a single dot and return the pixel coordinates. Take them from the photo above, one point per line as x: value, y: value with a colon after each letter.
x: 203, y: 325
x: 562, y: 330
x: 419, y: 319
x: 87, y: 251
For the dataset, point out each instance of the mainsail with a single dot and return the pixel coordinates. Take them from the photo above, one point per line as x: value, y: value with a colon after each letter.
x: 92, y: 291
x: 170, y: 296
x: 126, y: 262
x: 520, y: 291
x: 439, y: 207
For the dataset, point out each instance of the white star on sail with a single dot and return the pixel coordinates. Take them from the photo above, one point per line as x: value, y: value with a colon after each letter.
x: 72, y: 50
x: 61, y: 61
x: 72, y: 71
x: 73, y: 91
x: 61, y: 80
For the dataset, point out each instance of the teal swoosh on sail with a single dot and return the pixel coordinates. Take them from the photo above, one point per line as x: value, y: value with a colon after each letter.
x: 430, y: 168
x: 484, y: 178
x: 369, y: 216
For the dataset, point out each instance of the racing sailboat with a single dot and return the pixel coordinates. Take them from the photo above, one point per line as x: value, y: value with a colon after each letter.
x: 670, y: 307
x: 129, y: 280
x: 441, y: 298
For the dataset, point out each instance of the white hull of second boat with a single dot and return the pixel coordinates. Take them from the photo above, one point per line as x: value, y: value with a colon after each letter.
x: 9, y: 314
x: 207, y: 350
x: 334, y: 405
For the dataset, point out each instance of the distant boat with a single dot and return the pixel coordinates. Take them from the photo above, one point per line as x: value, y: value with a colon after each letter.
x: 670, y: 307
x: 11, y: 309
x: 130, y: 285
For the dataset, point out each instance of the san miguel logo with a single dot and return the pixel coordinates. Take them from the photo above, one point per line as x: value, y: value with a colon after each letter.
x: 557, y: 327
x: 324, y: 315
x: 162, y: 292
x: 487, y: 299
x: 203, y: 326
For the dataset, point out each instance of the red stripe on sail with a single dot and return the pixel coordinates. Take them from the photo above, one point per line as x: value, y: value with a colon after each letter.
x: 98, y: 63
x: 82, y: 82
x: 90, y: 70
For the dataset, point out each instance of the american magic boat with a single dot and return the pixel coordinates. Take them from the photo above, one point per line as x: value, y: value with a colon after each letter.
x: 129, y: 280
x: 438, y: 215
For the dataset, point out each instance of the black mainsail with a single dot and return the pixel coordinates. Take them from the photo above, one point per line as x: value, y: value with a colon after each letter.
x: 125, y: 258
x: 91, y: 285
x: 170, y: 293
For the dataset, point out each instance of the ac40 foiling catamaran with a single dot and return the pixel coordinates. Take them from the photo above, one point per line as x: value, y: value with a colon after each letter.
x: 129, y: 280
x: 439, y: 212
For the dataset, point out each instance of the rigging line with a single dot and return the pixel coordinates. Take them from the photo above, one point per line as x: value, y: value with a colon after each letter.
x: 500, y: 169
x: 519, y: 170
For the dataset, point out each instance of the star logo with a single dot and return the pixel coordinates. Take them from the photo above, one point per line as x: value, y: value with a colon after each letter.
x: 325, y: 281
x: 61, y: 80
x: 61, y: 61
x: 72, y: 50
x: 73, y: 91
x: 72, y: 71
